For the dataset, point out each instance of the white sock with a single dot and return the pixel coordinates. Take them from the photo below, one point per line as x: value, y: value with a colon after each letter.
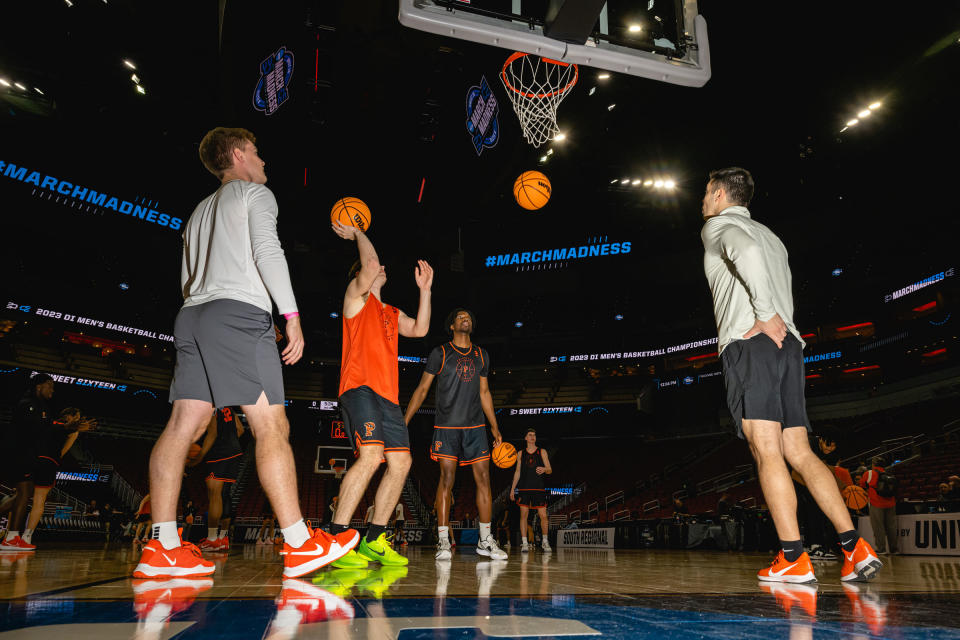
x: 211, y: 533
x: 296, y: 534
x: 11, y: 535
x: 166, y: 533
x: 523, y: 540
x: 444, y: 533
x: 484, y: 530
x: 28, y: 536
x: 223, y: 534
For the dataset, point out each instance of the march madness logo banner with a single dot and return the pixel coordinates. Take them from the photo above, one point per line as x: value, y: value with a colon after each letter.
x: 273, y: 88
x: 482, y: 112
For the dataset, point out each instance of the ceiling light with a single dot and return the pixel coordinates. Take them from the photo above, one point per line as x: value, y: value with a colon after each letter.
x: 610, y: 108
x: 141, y: 90
x: 603, y: 76
x: 129, y: 64
x: 636, y: 182
x: 543, y: 158
x: 592, y: 91
x: 38, y: 91
x: 135, y: 78
x: 647, y: 183
x: 669, y: 184
x: 851, y: 123
x: 625, y: 181
x: 4, y: 82
x: 875, y: 105
x: 560, y: 137
x: 549, y: 152
x: 19, y: 86
x: 614, y: 181
x: 69, y: 4
x: 864, y: 114
x: 658, y: 184
x: 635, y: 28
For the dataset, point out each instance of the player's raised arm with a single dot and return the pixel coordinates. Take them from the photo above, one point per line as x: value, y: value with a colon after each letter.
x: 410, y: 328
x: 369, y: 261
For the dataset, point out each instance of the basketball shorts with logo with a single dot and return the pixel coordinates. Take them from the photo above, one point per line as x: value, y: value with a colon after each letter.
x: 533, y: 498
x: 765, y: 382
x: 225, y: 469
x: 44, y: 472
x: 372, y: 420
x: 466, y: 445
x: 226, y: 355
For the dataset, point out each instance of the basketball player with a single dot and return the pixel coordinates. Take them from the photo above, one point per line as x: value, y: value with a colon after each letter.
x: 369, y: 396
x: 532, y: 464
x: 142, y: 519
x: 233, y: 271
x: 398, y: 524
x: 221, y: 454
x: 51, y: 443
x: 459, y: 433
x: 762, y: 355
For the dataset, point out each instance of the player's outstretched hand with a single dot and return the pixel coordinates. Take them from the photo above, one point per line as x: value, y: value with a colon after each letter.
x: 423, y: 274
x: 87, y: 424
x: 346, y: 232
x: 775, y: 328
x: 294, y: 350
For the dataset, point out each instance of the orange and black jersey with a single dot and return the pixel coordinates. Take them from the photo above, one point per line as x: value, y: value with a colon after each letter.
x: 227, y: 444
x: 458, y: 374
x: 529, y: 479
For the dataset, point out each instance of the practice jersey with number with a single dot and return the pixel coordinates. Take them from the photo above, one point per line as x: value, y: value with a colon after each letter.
x: 529, y: 479
x: 458, y: 373
x: 227, y: 444
x: 370, y: 348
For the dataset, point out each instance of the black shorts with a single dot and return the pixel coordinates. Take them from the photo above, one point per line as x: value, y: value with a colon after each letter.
x: 372, y: 420
x: 765, y: 382
x: 466, y: 445
x: 44, y: 472
x: 225, y: 469
x: 533, y: 498
x: 399, y: 524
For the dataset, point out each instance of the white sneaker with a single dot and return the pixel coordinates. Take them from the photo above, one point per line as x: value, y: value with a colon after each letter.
x: 524, y: 547
x: 443, y: 550
x: 488, y: 547
x: 546, y: 546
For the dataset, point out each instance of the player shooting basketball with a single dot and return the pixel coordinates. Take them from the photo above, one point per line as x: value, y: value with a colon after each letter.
x: 459, y: 434
x: 369, y: 393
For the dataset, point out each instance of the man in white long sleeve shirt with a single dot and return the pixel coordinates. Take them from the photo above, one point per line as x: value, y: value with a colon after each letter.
x: 762, y: 355
x: 233, y: 271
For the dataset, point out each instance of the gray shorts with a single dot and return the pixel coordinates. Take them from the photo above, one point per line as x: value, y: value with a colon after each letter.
x: 226, y: 355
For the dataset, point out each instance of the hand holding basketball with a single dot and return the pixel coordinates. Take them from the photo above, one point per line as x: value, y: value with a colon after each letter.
x: 351, y: 212
x: 504, y: 455
x: 345, y: 231
x: 423, y: 274
x: 497, y: 438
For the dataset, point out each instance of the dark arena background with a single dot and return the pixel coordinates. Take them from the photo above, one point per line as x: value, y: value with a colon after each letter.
x: 594, y: 309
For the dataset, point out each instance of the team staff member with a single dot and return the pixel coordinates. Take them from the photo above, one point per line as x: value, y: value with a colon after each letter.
x: 762, y: 355
x: 52, y: 441
x: 369, y: 396
x: 460, y: 434
x: 532, y: 464
x: 233, y: 271
x: 221, y: 455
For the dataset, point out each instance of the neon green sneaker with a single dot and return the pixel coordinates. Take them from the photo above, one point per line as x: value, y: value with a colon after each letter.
x: 377, y: 583
x: 380, y: 550
x: 352, y: 560
x: 340, y: 581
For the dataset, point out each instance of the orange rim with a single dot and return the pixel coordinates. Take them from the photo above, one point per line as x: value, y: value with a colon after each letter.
x: 519, y: 54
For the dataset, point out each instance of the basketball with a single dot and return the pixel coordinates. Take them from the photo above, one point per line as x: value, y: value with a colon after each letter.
x: 504, y: 455
x: 352, y: 212
x: 532, y: 190
x: 194, y: 452
x: 855, y: 497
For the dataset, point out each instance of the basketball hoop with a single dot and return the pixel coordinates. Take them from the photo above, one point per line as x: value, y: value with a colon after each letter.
x: 338, y: 472
x: 536, y: 87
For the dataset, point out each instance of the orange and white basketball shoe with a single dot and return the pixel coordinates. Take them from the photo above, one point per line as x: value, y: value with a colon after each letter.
x: 224, y: 543
x: 319, y: 550
x: 17, y: 544
x: 184, y: 561
x: 798, y: 572
x: 861, y: 564
x: 209, y: 545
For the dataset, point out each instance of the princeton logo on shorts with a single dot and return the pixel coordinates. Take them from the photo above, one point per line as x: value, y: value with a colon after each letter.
x: 438, y: 445
x: 369, y: 426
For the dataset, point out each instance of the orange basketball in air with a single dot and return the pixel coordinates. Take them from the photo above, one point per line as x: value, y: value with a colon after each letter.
x: 504, y: 455
x: 352, y: 212
x: 855, y: 497
x: 532, y: 190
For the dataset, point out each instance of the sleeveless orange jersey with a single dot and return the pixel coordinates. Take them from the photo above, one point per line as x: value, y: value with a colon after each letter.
x: 370, y: 348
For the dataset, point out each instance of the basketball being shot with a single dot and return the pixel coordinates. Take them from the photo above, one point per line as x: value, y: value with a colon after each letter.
x: 708, y: 389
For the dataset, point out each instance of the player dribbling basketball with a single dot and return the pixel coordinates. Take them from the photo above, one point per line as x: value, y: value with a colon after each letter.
x: 459, y: 434
x: 532, y: 464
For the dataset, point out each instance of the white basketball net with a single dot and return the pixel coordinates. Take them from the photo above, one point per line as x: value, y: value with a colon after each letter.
x: 536, y: 87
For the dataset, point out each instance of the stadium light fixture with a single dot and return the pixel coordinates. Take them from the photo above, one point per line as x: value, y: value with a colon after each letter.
x: 635, y: 28
x: 38, y: 91
x: 669, y: 184
x: 875, y: 105
x: 864, y: 114
x: 853, y: 123
x: 614, y: 181
x: 4, y: 82
x: 636, y: 182
x: 560, y: 137
x: 135, y: 78
x: 603, y: 76
x: 648, y: 183
x: 130, y: 65
x: 658, y: 184
x: 19, y: 86
x: 625, y: 181
x: 611, y: 107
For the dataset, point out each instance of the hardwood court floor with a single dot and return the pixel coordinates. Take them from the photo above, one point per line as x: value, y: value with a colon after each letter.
x: 86, y: 592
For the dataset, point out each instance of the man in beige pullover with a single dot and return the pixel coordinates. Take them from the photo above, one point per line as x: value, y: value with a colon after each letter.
x: 762, y: 355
